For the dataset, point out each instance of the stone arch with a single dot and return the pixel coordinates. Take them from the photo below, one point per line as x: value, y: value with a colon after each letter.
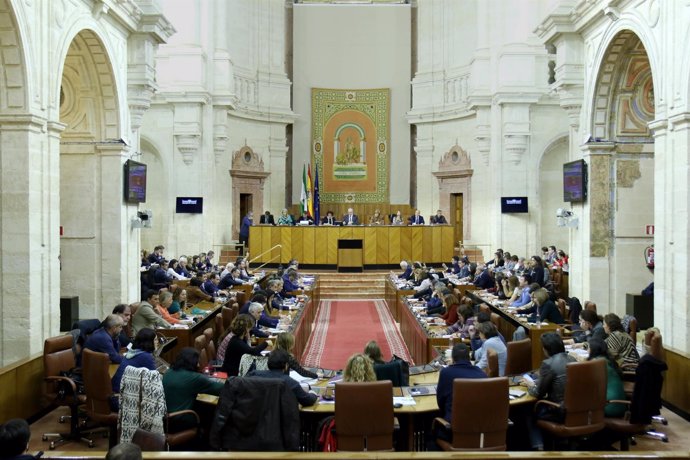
x: 159, y: 198
x: 88, y: 94
x: 92, y: 153
x: 14, y: 81
x: 623, y: 53
x: 454, y: 176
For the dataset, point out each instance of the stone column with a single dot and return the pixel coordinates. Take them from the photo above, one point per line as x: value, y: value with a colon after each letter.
x: 29, y: 235
x: 672, y: 229
x: 424, y: 149
x: 591, y: 264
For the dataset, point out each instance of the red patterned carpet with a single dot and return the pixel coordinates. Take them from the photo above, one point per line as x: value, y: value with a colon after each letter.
x: 343, y: 327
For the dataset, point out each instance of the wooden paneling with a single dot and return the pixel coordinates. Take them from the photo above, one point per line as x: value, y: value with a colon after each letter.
x: 383, y: 245
x: 676, y: 390
x: 22, y: 384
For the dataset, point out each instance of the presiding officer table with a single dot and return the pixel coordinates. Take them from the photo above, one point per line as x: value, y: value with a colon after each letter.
x: 381, y: 244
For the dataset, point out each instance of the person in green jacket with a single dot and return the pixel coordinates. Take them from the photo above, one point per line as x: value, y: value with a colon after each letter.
x: 614, y: 384
x: 182, y: 383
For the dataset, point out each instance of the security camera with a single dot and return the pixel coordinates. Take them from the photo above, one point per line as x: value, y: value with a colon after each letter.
x: 560, y: 212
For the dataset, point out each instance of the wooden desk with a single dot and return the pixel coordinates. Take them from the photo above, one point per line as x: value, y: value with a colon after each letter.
x: 510, y: 323
x: 186, y: 337
x: 382, y: 245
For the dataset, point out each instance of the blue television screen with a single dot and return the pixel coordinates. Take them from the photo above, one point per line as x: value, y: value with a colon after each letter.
x: 575, y: 181
x: 189, y: 205
x: 135, y: 182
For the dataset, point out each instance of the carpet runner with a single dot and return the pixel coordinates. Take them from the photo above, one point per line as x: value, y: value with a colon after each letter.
x: 343, y: 327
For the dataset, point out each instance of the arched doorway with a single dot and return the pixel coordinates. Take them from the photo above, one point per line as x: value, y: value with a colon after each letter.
x: 92, y: 214
x: 551, y: 195
x: 620, y: 154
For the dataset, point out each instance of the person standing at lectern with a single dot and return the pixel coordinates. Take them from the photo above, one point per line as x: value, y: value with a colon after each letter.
x: 350, y: 218
x: 329, y: 219
x: 417, y: 219
x: 438, y: 219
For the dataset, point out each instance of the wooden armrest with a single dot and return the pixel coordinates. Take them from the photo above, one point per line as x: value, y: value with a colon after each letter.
x: 440, y: 421
x: 619, y: 401
x: 547, y: 402
x: 60, y: 378
x: 180, y: 413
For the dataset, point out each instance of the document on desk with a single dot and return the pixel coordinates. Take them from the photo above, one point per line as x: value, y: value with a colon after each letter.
x: 404, y: 400
x: 302, y: 379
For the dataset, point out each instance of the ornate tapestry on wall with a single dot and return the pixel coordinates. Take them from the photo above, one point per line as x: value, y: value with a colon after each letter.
x: 350, y: 130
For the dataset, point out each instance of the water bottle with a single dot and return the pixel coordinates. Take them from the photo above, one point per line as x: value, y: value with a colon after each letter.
x: 450, y: 342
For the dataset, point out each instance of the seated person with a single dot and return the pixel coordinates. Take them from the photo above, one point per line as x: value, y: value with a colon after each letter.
x: 373, y: 352
x: 621, y: 347
x: 464, y: 268
x: 285, y: 218
x: 279, y: 368
x: 461, y: 368
x: 592, y: 326
x: 407, y: 270
x: 256, y: 311
x: 550, y: 384
x: 546, y: 309
x: 439, y: 218
x: 464, y: 327
x: 165, y: 300
x: 238, y: 345
x: 350, y: 218
x: 454, y: 266
x: 179, y: 302
x: 141, y: 355
x: 614, y: 380
x: 106, y: 338
x: 329, y: 219
x: 416, y: 219
x: 286, y: 341
x: 525, y: 298
x: 396, y: 219
x: 275, y: 292
x: 305, y: 217
x: 146, y: 315
x: 157, y: 255
x: 243, y: 265
x: 194, y: 292
x: 14, y: 439
x: 490, y: 340
x: 211, y: 288
x: 359, y: 368
x: 267, y: 218
x: 483, y: 278
x: 435, y: 305
x: 160, y: 275
x: 231, y: 279
x: 126, y: 334
x: 290, y: 281
x: 172, y: 270
x: 377, y: 218
x: 182, y: 383
x: 182, y: 269
x: 450, y: 303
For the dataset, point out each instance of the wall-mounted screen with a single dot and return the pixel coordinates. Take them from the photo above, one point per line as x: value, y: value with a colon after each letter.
x: 135, y: 182
x: 512, y: 204
x: 189, y: 205
x: 575, y: 181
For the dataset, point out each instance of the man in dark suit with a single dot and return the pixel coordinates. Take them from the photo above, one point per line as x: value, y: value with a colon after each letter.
x: 350, y: 218
x: 461, y: 368
x: 329, y: 219
x: 439, y: 218
x: 417, y: 219
x: 267, y: 218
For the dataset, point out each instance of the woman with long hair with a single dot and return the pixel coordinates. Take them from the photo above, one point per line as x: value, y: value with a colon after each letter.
x: 359, y: 368
x: 286, y: 341
x: 373, y: 351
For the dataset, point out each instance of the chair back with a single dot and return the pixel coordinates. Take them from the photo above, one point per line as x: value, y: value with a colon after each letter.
x: 496, y: 319
x: 211, y: 350
x: 149, y: 441
x: 519, y: 357
x: 218, y: 323
x: 208, y: 333
x: 563, y: 309
x: 485, y: 308
x: 95, y: 369
x: 228, y: 314
x: 632, y: 327
x: 250, y: 362
x: 364, y: 416
x: 492, y: 360
x: 200, y: 343
x: 390, y: 371
x: 203, y: 359
x: 585, y: 408
x: 487, y: 401
x: 58, y: 357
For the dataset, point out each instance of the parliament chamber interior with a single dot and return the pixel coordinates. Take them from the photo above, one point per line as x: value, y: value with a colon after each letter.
x: 344, y: 228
